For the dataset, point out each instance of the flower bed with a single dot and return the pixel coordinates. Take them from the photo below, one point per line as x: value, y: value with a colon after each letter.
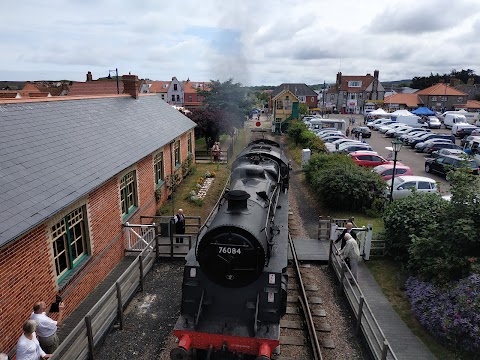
x: 451, y: 314
x: 203, y: 184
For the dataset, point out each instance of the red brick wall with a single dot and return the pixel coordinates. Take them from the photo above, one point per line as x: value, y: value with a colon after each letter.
x: 27, y: 272
x: 312, y: 103
x: 26, y: 276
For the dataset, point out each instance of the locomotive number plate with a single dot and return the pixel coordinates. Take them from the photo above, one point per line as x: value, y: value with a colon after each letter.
x: 229, y: 250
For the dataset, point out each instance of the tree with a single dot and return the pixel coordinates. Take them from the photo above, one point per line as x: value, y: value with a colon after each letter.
x: 210, y: 124
x: 303, y: 109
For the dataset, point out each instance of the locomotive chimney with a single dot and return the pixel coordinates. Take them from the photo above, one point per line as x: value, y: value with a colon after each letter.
x: 237, y: 200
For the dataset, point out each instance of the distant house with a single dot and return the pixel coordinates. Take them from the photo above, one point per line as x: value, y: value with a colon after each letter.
x: 286, y: 107
x: 159, y: 88
x: 175, y: 93
x: 302, y: 92
x: 192, y: 98
x: 351, y: 94
x: 402, y: 102
x: 470, y: 88
x: 441, y: 97
x: 72, y: 172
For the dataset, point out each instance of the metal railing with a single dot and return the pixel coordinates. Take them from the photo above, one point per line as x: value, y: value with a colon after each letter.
x: 366, y: 321
x: 82, y: 340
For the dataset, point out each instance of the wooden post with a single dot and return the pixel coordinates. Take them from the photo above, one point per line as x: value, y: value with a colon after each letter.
x: 157, y: 243
x: 385, y: 349
x: 360, y: 312
x: 91, y: 347
x: 140, y: 258
x: 342, y: 277
x: 119, y: 304
x: 172, y: 227
x: 330, y: 253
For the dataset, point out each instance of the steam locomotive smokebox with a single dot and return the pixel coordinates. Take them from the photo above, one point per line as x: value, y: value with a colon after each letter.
x: 165, y: 226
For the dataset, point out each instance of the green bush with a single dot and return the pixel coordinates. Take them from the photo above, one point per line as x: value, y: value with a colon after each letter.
x: 340, y: 184
x: 299, y: 133
x: 295, y: 130
x: 416, y: 214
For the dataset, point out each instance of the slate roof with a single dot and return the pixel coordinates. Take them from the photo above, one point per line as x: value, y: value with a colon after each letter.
x: 54, y: 152
x: 296, y: 89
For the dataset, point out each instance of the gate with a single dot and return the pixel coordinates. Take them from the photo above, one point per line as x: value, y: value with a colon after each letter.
x: 139, y: 236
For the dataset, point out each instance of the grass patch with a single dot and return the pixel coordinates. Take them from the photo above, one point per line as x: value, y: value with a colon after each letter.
x: 295, y: 152
x: 361, y: 220
x: 391, y: 279
x: 200, y: 144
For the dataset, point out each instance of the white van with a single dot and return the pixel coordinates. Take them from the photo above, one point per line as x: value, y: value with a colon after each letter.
x: 412, y: 120
x: 334, y: 124
x: 470, y: 117
x: 460, y: 129
x: 451, y: 119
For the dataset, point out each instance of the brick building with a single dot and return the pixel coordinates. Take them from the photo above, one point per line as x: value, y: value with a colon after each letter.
x: 302, y: 92
x: 72, y: 171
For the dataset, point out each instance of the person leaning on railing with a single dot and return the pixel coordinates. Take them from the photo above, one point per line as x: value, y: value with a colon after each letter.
x: 351, y: 252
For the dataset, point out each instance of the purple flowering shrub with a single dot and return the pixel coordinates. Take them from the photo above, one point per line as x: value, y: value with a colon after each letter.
x: 452, y: 313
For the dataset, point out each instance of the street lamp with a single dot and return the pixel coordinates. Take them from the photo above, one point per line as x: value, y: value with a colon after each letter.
x: 110, y: 77
x: 397, y: 146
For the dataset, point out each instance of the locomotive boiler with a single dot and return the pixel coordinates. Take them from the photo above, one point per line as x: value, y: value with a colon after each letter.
x: 234, y: 289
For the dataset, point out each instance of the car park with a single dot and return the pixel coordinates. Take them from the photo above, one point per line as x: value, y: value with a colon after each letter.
x: 406, y: 185
x: 441, y: 145
x: 386, y: 170
x: 419, y: 147
x: 330, y: 134
x: 412, y: 133
x: 329, y: 139
x: 364, y: 130
x: 383, y: 129
x: 444, y: 151
x: 415, y: 140
x: 382, y: 122
x: 368, y: 158
x: 443, y: 164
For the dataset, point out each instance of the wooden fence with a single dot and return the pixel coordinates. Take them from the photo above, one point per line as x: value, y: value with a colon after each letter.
x: 82, y: 340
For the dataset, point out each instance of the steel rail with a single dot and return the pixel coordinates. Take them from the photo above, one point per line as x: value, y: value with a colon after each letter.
x: 317, y: 352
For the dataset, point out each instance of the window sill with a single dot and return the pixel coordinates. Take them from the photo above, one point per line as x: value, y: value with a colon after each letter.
x: 159, y: 184
x: 129, y: 214
x: 177, y: 167
x: 68, y: 278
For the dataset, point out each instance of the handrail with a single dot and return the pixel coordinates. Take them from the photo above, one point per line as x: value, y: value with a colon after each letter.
x: 365, y: 313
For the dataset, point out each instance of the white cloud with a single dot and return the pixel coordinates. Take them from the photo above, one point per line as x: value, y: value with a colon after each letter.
x: 256, y: 42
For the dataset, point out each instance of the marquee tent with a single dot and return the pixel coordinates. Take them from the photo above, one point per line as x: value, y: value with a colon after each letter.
x: 423, y: 111
x: 378, y: 112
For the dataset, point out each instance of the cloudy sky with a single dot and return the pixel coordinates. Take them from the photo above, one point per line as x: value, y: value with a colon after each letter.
x: 255, y: 42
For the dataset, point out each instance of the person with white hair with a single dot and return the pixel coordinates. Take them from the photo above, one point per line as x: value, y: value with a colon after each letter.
x: 351, y: 252
x: 28, y: 347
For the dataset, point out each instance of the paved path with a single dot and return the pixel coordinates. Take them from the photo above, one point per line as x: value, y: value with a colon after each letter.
x: 404, y: 343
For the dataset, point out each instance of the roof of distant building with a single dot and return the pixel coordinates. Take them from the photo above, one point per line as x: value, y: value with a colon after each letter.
x: 441, y: 90
x: 410, y: 100
x: 193, y: 86
x: 159, y: 86
x: 57, y: 150
x: 295, y: 88
x: 95, y: 87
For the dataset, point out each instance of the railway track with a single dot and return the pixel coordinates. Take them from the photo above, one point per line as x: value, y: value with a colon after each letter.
x: 304, y: 329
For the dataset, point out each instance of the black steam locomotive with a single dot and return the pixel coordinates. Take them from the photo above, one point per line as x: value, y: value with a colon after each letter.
x: 234, y: 288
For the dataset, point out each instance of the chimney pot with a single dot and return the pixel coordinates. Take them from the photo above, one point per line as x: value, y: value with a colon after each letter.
x: 89, y: 76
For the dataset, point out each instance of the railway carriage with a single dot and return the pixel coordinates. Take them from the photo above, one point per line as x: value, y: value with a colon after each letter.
x: 234, y: 289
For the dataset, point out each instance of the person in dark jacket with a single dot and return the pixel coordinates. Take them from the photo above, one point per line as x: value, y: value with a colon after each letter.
x: 179, y: 221
x: 348, y: 230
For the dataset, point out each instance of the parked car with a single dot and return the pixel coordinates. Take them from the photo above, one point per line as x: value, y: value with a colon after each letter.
x: 444, y: 151
x: 460, y: 130
x: 441, y: 145
x: 467, y: 138
x: 326, y: 135
x: 419, y: 147
x: 386, y: 170
x: 433, y: 122
x: 348, y: 147
x: 385, y: 127
x: 415, y: 140
x: 366, y: 132
x: 330, y: 139
x: 393, y: 132
x: 443, y: 164
x: 368, y: 158
x: 412, y: 133
x: 381, y: 122
x: 405, y: 185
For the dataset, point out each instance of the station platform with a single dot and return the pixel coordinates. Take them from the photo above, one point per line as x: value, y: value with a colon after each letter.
x: 310, y: 250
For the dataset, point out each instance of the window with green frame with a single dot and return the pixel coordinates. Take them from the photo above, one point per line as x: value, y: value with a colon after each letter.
x: 69, y: 241
x: 189, y: 143
x: 128, y: 193
x: 159, y: 171
x: 176, y: 152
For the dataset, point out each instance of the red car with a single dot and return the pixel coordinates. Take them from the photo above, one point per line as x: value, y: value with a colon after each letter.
x: 386, y: 170
x: 369, y: 159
